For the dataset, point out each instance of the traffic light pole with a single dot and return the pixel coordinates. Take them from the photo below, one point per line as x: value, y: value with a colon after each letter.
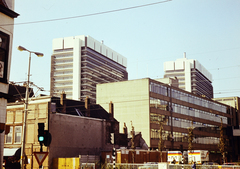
x: 41, y: 147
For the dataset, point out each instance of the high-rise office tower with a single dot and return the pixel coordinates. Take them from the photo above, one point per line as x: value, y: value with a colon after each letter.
x: 79, y: 63
x: 192, y: 76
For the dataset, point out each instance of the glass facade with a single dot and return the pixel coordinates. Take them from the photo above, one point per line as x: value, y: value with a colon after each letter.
x: 179, y: 95
x: 204, y: 118
x: 183, y: 137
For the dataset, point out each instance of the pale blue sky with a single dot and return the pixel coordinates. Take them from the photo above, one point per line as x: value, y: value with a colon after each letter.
x: 208, y: 31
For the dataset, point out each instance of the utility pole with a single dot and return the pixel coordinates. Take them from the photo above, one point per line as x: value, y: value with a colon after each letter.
x: 26, y: 105
x: 25, y: 115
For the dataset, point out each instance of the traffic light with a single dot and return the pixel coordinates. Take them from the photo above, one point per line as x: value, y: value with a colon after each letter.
x: 44, y: 137
x: 41, y: 132
x: 47, y: 138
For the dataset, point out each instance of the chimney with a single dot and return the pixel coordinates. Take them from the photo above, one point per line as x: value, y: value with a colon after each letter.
x: 125, y: 131
x: 111, y: 111
x: 63, y: 101
x: 87, y: 106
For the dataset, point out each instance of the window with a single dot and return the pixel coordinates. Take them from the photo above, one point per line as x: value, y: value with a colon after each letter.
x: 4, y: 48
x: 8, y: 139
x: 18, y: 134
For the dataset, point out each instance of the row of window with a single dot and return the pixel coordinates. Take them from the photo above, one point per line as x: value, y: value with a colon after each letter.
x: 62, y: 84
x: 163, y: 90
x: 62, y: 78
x: 198, y: 113
x: 158, y: 104
x: 198, y: 101
x: 176, y: 108
x: 183, y: 123
x: 183, y: 137
x: 196, y: 125
x: 60, y: 67
x: 157, y: 88
x: 69, y: 72
x: 62, y: 50
x: 68, y: 59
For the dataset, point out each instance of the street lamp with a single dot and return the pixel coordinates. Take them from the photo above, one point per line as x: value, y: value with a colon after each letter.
x: 26, y: 103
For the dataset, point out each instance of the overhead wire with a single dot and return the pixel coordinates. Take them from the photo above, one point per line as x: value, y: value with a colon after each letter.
x: 105, y: 12
x: 87, y: 15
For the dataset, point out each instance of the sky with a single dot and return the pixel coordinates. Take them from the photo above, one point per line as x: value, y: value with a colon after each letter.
x: 147, y: 32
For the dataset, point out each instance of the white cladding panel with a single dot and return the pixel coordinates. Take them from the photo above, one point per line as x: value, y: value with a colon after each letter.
x: 115, y: 56
x: 187, y: 72
x: 203, y: 70
x: 82, y: 37
x: 90, y: 42
x: 97, y: 46
x: 169, y: 65
x: 68, y: 42
x: 124, y: 61
x: 179, y: 65
x: 120, y: 59
x: 109, y: 53
x: 104, y: 50
x: 76, y: 70
x: 57, y: 43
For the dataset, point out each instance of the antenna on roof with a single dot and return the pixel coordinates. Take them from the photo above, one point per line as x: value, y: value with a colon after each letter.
x: 184, y: 54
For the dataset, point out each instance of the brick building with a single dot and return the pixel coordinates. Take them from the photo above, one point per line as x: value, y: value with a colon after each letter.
x: 76, y: 128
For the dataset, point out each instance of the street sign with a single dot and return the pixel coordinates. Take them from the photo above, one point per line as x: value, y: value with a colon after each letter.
x: 40, y: 157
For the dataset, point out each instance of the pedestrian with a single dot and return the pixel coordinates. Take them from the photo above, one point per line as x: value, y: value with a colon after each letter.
x: 194, y: 165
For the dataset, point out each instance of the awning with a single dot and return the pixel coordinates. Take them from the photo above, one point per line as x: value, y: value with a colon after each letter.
x: 9, y: 151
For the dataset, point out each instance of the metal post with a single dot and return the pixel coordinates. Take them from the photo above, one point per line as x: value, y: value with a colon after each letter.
x: 25, y: 116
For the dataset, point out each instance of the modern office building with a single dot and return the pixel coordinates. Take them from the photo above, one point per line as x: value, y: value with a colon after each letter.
x: 234, y: 102
x: 147, y: 103
x: 7, y: 16
x: 192, y: 76
x: 79, y: 63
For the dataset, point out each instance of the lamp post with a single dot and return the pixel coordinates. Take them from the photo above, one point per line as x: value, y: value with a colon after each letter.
x: 26, y: 103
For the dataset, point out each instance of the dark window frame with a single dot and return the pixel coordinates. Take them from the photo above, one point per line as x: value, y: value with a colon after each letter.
x: 5, y: 49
